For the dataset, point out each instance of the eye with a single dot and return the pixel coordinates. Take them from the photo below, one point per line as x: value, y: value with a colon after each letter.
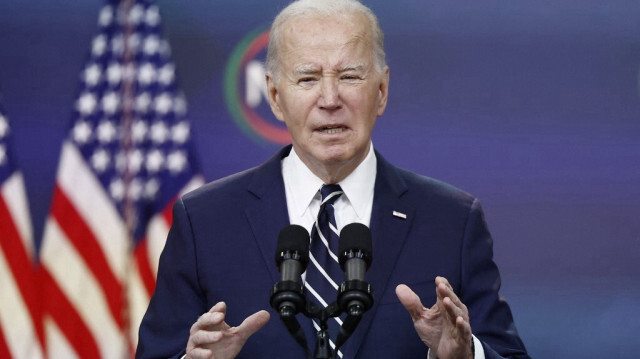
x: 306, y: 79
x: 350, y: 77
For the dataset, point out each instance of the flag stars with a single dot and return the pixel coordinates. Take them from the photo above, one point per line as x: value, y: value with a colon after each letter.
x: 176, y: 161
x: 180, y: 105
x: 99, y: 45
x: 116, y: 189
x: 139, y: 131
x: 163, y: 103
x: 106, y: 16
x: 133, y: 42
x: 121, y: 162
x: 3, y: 155
x: 135, y: 160
x: 166, y: 74
x: 151, y: 188
x: 117, y: 45
x: 146, y: 74
x: 135, y: 14
x: 110, y: 102
x: 100, y: 160
x: 142, y: 102
x: 151, y: 45
x: 159, y: 132
x: 86, y: 104
x: 106, y: 132
x: 155, y: 161
x: 81, y: 132
x: 92, y: 75
x: 128, y: 72
x: 4, y: 126
x: 131, y: 161
x: 152, y: 16
x: 114, y: 73
x: 135, y: 190
x: 180, y: 132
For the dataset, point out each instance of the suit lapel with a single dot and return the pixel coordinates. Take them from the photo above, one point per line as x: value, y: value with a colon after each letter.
x: 389, y: 233
x: 267, y: 215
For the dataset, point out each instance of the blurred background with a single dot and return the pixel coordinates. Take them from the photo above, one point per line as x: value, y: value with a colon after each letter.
x: 532, y: 106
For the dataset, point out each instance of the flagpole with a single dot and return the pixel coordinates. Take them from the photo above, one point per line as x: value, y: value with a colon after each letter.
x: 129, y: 212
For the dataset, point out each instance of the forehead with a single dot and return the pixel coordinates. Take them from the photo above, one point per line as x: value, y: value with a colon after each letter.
x: 314, y: 38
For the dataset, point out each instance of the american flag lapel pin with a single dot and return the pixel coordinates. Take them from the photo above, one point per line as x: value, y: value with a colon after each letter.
x: 399, y: 215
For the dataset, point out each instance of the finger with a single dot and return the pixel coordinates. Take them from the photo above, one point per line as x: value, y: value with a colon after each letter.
x: 219, y: 307
x: 464, y: 327
x: 444, y: 290
x: 203, y: 337
x: 199, y: 353
x: 452, y: 311
x: 252, y: 324
x: 410, y: 301
x: 209, y: 321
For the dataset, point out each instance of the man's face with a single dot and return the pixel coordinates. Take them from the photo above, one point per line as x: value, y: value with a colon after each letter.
x: 328, y: 91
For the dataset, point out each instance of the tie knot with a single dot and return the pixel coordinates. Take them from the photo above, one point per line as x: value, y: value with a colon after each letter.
x: 330, y: 193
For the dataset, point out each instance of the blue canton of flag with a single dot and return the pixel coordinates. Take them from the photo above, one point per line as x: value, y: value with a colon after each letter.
x: 130, y: 124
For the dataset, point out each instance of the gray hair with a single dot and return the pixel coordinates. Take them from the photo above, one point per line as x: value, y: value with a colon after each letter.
x: 324, y: 8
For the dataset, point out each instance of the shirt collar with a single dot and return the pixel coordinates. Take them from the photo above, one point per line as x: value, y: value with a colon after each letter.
x: 358, y: 186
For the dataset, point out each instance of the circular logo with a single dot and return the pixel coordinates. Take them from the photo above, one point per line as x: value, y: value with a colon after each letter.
x: 245, y: 90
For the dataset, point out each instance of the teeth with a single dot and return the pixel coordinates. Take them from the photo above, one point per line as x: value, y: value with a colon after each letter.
x: 333, y: 130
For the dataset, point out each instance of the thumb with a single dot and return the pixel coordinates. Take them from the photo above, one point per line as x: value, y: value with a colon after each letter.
x: 253, y: 323
x: 410, y: 301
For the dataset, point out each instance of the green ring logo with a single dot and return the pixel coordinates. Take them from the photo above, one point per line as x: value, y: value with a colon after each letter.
x: 240, y: 66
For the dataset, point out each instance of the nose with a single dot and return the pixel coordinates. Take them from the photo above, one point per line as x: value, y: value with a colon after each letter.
x: 329, y: 94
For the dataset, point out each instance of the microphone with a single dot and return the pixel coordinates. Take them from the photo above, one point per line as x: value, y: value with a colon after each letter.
x: 292, y: 257
x: 355, y: 257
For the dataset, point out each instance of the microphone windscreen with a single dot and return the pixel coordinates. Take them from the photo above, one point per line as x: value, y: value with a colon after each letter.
x: 353, y: 237
x: 293, y: 238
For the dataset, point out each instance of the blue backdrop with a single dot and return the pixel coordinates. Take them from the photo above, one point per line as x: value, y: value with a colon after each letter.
x: 533, y: 106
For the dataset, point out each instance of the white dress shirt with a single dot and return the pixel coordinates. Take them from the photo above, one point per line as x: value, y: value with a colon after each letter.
x: 302, y: 189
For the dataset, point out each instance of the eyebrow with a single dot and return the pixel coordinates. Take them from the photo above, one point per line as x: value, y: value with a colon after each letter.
x: 356, y: 68
x: 313, y: 70
x: 306, y: 70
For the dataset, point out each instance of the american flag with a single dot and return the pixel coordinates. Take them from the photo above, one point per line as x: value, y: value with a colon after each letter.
x: 127, y: 157
x: 20, y: 328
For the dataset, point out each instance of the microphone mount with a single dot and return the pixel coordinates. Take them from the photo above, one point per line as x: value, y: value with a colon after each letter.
x: 354, y: 297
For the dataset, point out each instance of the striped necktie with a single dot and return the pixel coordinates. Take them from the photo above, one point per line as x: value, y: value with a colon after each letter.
x: 323, y: 273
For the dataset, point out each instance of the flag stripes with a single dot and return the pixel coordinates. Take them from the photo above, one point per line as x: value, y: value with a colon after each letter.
x: 65, y: 319
x: 86, y: 246
x: 21, y: 332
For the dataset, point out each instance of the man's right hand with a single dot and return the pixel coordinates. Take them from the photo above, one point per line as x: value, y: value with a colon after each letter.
x: 212, y: 338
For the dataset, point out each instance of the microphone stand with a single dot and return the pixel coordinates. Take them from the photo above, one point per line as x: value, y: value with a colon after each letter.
x: 354, y: 298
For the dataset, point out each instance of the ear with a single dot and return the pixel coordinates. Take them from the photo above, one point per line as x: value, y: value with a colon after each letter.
x: 274, y: 97
x: 383, y: 91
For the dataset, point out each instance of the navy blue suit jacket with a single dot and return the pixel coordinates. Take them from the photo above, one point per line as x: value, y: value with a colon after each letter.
x: 222, y: 244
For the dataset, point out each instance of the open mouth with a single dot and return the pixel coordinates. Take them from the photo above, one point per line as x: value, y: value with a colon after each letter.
x: 332, y: 129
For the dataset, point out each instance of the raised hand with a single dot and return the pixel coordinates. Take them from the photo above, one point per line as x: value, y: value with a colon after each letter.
x: 211, y: 337
x: 444, y: 327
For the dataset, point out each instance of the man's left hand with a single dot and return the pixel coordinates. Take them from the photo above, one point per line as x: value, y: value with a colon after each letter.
x: 444, y: 327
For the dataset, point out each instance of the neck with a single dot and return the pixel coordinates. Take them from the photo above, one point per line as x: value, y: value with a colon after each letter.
x: 334, y: 171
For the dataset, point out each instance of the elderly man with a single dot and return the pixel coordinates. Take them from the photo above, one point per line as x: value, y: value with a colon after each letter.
x: 328, y: 81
